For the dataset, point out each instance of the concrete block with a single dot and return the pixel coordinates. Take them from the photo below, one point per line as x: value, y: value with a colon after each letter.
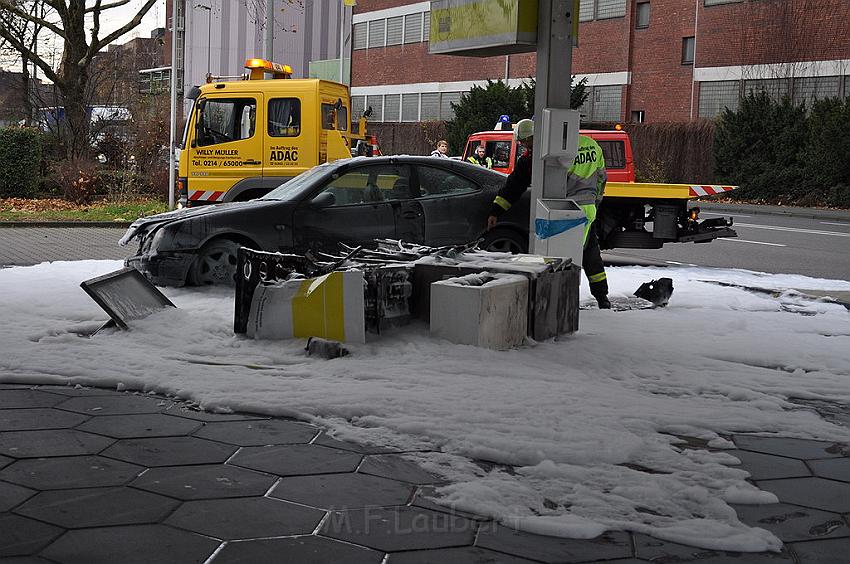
x: 482, y: 309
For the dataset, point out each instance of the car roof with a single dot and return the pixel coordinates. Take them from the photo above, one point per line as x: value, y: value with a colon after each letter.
x: 418, y: 159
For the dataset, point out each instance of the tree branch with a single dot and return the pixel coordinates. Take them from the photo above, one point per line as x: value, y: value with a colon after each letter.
x: 16, y: 11
x: 29, y: 54
x: 137, y: 19
x: 105, y: 7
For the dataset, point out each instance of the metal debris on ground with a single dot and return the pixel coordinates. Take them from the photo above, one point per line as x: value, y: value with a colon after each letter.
x: 325, y: 348
x: 656, y: 291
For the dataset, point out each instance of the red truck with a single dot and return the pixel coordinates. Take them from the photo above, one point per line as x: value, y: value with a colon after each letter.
x: 637, y: 215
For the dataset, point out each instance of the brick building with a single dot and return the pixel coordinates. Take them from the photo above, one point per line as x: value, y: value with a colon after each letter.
x: 644, y: 60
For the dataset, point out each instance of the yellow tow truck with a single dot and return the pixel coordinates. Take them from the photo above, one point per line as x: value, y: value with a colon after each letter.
x: 248, y: 136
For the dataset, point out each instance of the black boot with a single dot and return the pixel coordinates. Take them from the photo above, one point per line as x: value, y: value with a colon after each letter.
x: 604, y: 302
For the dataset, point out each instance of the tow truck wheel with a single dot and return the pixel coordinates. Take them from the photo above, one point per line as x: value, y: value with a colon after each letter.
x: 501, y: 240
x: 215, y: 264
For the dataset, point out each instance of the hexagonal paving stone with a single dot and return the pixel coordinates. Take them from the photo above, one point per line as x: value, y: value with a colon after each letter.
x: 5, y: 461
x: 343, y: 491
x: 258, y: 433
x: 768, y: 466
x: 465, y: 555
x: 124, y: 404
x: 28, y: 398
x: 329, y: 441
x: 20, y: 536
x: 395, y: 467
x: 137, y: 544
x: 297, y: 460
x: 97, y: 507
x: 55, y: 442
x: 15, y: 386
x: 553, y: 549
x: 794, y: 448
x: 422, y: 499
x: 246, y: 518
x: 38, y: 419
x: 811, y: 492
x: 25, y: 560
x: 139, y: 426
x: 77, y: 390
x: 180, y: 410
x: 656, y: 550
x: 12, y: 495
x: 399, y: 528
x: 205, y: 482
x: 170, y: 451
x: 835, y: 468
x: 832, y: 551
x: 793, y: 523
x: 303, y: 550
x: 70, y: 472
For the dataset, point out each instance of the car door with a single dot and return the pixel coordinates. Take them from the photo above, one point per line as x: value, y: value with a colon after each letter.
x: 227, y: 147
x: 454, y: 206
x: 355, y: 207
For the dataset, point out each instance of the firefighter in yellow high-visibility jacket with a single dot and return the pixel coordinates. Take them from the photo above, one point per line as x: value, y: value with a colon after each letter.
x: 585, y: 185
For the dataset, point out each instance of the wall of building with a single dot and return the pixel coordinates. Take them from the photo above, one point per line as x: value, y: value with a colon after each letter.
x: 795, y: 47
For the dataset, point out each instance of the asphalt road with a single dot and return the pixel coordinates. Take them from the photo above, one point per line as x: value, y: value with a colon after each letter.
x: 817, y: 247
x: 812, y: 246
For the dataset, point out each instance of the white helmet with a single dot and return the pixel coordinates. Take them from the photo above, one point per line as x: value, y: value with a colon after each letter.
x: 524, y: 129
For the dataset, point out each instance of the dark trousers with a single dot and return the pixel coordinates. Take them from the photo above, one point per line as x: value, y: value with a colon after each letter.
x: 591, y: 262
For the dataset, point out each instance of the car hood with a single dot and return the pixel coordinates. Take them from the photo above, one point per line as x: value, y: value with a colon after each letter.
x: 145, y: 224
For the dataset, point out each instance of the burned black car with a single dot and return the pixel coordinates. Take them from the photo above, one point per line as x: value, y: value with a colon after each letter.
x: 355, y: 201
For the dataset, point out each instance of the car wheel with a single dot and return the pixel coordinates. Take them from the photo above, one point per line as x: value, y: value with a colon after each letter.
x: 215, y: 264
x: 501, y: 240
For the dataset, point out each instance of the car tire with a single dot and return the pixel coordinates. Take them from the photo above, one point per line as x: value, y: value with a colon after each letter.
x: 215, y: 264
x: 504, y: 240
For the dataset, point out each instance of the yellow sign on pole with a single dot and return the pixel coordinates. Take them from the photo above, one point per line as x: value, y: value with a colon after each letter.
x: 483, y: 28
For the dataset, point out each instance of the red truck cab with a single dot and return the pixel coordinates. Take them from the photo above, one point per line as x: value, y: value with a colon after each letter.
x: 505, y: 150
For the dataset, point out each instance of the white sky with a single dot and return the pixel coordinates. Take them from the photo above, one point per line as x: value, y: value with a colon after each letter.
x: 154, y: 18
x: 574, y: 415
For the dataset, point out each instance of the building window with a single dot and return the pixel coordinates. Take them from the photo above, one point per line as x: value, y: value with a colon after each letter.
x: 413, y: 28
x: 847, y: 87
x: 585, y: 12
x: 395, y: 30
x: 358, y: 106
x: 376, y: 102
x: 392, y: 107
x: 610, y: 9
x: 809, y: 90
x: 377, y: 30
x: 426, y: 27
x: 446, y: 101
x: 714, y: 97
x: 601, y: 9
x: 642, y: 15
x: 607, y: 102
x: 430, y: 108
x: 688, y: 48
x: 638, y: 116
x: 410, y: 107
x: 775, y: 88
x: 360, y: 35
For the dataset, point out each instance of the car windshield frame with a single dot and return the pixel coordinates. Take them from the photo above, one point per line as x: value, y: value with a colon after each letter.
x: 307, y: 181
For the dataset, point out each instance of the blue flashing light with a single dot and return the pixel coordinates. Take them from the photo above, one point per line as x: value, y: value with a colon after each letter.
x: 505, y: 119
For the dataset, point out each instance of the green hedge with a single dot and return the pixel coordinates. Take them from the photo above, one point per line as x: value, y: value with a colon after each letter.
x: 20, y: 162
x: 781, y: 153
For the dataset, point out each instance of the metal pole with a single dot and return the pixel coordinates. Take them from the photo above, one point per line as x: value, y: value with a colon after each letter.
x: 342, y: 44
x: 209, y: 38
x: 172, y: 176
x: 553, y: 78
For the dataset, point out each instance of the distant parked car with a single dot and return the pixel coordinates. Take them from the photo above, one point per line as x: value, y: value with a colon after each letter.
x: 415, y: 199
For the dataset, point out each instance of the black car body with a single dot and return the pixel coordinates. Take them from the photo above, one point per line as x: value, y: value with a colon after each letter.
x: 416, y: 199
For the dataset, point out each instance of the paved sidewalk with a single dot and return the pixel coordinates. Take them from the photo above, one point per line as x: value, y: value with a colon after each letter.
x: 94, y: 476
x: 22, y: 246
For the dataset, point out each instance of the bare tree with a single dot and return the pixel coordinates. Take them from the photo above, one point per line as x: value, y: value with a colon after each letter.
x: 25, y: 32
x: 68, y: 19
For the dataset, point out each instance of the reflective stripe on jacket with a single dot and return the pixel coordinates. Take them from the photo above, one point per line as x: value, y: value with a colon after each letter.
x: 487, y: 162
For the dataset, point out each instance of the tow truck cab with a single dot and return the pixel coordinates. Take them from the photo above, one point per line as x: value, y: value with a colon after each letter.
x: 246, y: 137
x: 633, y: 214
